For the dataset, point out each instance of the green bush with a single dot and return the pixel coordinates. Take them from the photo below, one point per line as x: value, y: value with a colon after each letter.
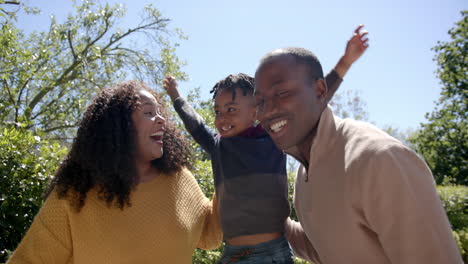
x: 206, y: 256
x: 462, y: 241
x: 26, y: 164
x: 455, y: 202
x: 300, y: 261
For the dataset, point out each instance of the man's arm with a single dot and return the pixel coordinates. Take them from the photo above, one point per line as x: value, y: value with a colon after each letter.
x: 300, y: 244
x: 193, y: 122
x: 402, y: 207
x: 355, y: 47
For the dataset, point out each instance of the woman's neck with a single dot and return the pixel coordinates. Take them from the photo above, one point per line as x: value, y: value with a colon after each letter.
x: 146, y: 172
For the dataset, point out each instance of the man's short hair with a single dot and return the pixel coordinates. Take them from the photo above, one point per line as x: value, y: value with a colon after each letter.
x: 301, y: 55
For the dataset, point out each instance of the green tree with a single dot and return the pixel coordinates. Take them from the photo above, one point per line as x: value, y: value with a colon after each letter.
x: 403, y: 136
x: 48, y: 77
x: 349, y: 104
x: 443, y: 139
x: 27, y: 162
x: 455, y: 201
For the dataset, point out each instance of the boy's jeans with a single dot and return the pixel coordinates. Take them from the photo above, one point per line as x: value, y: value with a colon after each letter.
x: 274, y: 251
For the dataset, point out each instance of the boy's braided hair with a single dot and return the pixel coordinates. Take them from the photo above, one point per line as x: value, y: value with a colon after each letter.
x: 242, y: 81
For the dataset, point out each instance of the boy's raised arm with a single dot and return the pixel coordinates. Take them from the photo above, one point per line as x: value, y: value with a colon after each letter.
x: 193, y: 122
x: 355, y: 47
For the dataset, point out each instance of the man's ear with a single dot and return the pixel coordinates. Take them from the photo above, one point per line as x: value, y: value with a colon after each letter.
x: 321, y: 89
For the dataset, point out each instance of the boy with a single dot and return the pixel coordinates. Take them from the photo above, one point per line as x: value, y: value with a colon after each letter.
x: 249, y: 170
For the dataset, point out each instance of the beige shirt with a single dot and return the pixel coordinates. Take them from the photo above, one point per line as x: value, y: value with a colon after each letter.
x: 367, y: 198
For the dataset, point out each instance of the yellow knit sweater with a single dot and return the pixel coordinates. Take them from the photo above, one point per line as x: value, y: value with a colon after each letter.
x: 169, y: 217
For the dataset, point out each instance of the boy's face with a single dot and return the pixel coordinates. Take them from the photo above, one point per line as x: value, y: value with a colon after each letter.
x: 289, y: 104
x: 233, y: 116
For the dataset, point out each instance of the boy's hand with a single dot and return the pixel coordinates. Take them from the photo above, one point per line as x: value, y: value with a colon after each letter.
x: 356, y: 46
x: 170, y: 85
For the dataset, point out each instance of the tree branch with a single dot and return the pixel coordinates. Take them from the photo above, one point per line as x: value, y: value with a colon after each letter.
x: 12, y: 3
x: 63, y: 78
x: 4, y: 12
x: 21, y: 90
x: 130, y: 31
x: 46, y: 90
x: 71, y: 45
x: 91, y: 43
x: 12, y: 101
x: 47, y: 107
x: 59, y: 127
x: 76, y: 63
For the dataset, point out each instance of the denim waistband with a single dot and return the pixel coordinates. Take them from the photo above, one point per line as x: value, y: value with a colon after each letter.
x: 261, y: 248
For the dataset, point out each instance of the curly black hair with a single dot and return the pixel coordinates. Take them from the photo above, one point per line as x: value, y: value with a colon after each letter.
x: 103, y: 152
x: 242, y: 81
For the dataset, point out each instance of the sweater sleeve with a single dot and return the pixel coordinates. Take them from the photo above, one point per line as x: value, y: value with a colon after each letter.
x: 402, y: 207
x: 195, y: 125
x: 48, y: 239
x: 333, y: 83
x: 212, y: 236
x: 300, y: 244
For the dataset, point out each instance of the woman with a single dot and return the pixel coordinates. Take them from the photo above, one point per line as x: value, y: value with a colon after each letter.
x: 123, y: 193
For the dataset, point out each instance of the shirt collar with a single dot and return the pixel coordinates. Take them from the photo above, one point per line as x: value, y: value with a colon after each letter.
x: 328, y: 125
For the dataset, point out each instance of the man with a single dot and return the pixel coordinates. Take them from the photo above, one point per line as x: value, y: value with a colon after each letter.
x: 361, y: 196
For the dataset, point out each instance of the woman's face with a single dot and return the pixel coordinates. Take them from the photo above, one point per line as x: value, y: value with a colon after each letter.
x: 150, y: 127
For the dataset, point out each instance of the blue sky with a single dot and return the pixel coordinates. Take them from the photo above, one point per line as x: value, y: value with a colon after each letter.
x: 396, y: 77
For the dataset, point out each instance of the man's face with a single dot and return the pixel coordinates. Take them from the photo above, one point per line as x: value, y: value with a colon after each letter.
x: 289, y: 103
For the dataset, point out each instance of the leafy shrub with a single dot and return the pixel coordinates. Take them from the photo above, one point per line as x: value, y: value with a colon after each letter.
x: 455, y: 202
x: 461, y: 237
x: 300, y: 261
x: 206, y: 256
x: 26, y: 164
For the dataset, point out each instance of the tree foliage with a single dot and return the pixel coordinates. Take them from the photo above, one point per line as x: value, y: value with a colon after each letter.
x: 349, y: 104
x: 455, y: 202
x: 27, y: 162
x: 443, y: 139
x: 48, y: 77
